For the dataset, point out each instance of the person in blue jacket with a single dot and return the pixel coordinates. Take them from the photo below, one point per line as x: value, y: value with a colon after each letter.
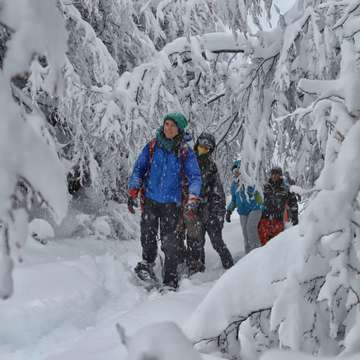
x: 248, y: 202
x: 160, y: 172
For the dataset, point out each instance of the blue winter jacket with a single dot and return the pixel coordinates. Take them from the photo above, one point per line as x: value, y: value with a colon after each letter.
x: 245, y: 202
x: 163, y: 183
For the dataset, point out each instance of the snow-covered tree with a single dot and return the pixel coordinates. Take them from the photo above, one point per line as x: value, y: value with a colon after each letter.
x: 29, y: 164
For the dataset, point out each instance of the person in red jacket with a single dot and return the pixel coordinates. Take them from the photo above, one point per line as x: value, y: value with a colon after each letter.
x: 277, y: 198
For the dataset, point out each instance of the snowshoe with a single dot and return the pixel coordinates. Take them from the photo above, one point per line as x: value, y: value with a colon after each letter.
x: 146, y: 276
x: 165, y: 288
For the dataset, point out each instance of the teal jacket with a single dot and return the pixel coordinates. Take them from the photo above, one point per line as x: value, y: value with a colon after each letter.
x: 245, y: 200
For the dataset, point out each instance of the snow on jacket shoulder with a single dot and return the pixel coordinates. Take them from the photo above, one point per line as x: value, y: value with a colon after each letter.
x: 244, y: 200
x: 163, y: 181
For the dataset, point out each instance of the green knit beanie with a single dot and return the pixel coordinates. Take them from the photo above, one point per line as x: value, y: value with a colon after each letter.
x: 178, y: 118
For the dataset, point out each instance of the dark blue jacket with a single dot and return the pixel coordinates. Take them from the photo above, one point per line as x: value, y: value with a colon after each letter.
x: 163, y: 182
x: 244, y: 200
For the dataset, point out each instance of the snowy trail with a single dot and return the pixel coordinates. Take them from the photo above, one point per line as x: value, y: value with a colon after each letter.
x: 70, y: 293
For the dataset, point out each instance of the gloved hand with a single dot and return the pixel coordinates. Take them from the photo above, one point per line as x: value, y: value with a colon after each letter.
x: 132, y: 200
x: 191, y: 207
x: 295, y: 221
x: 228, y: 216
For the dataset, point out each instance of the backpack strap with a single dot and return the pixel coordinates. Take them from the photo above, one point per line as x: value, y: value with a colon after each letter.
x: 183, y: 153
x: 151, y: 144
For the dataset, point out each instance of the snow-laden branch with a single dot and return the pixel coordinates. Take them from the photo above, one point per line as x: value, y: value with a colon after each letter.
x: 346, y: 87
x: 212, y: 42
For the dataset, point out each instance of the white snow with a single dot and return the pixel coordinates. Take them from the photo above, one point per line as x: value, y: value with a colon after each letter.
x: 161, y: 341
x: 286, y: 355
x: 264, y: 268
x: 70, y: 293
x: 41, y: 229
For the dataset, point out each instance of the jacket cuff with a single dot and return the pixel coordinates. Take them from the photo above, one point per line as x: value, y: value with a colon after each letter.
x: 133, y: 193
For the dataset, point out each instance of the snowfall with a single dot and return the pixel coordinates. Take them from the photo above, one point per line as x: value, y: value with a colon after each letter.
x: 71, y: 292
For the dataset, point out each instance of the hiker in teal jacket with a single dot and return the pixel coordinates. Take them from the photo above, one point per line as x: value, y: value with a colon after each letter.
x: 248, y: 202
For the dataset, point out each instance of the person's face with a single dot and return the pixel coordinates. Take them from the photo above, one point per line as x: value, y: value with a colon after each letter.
x: 275, y: 177
x: 202, y: 149
x: 170, y: 129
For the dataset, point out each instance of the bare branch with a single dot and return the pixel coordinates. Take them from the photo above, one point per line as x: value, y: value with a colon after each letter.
x: 228, y: 129
x: 217, y: 97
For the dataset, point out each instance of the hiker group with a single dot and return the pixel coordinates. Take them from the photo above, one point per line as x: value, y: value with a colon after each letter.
x: 182, y: 196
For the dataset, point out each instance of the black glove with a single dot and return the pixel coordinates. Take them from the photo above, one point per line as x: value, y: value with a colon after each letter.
x: 228, y: 216
x: 295, y: 221
x: 131, y: 203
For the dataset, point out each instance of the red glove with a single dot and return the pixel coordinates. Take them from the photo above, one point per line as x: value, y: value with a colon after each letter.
x: 133, y: 193
x: 132, y: 203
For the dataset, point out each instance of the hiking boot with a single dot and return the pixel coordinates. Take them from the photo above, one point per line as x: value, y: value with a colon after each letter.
x: 226, y: 259
x: 169, y: 286
x: 195, y: 267
x: 145, y: 270
x: 182, y: 269
x: 228, y: 264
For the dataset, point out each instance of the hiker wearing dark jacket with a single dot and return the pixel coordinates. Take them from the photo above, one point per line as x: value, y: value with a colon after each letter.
x: 158, y: 171
x: 211, y: 211
x: 277, y: 198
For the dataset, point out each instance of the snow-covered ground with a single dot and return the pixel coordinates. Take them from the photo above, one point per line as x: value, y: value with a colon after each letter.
x: 70, y: 293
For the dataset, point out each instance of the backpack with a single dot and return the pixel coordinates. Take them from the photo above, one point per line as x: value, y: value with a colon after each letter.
x: 183, y: 153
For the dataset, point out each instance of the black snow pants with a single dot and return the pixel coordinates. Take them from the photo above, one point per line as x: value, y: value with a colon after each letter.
x: 196, y: 243
x: 167, y: 216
